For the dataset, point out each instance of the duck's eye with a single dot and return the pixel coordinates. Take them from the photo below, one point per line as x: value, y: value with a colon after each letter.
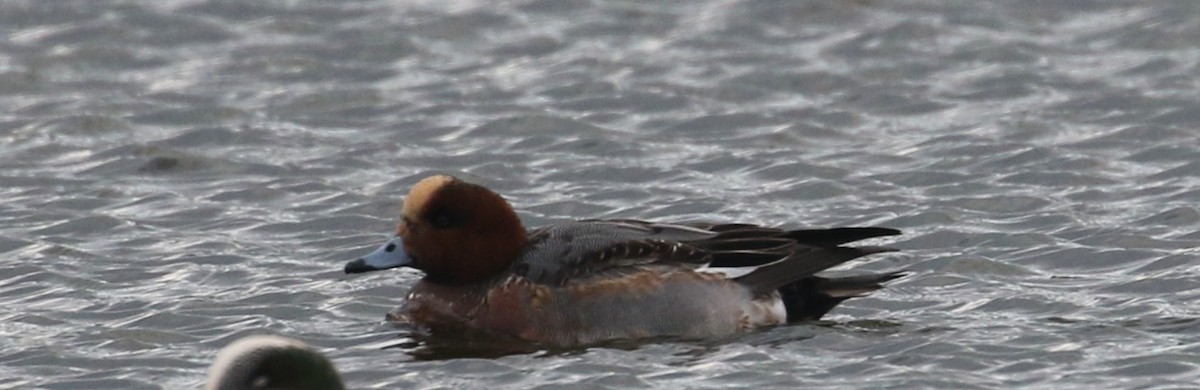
x: 441, y: 221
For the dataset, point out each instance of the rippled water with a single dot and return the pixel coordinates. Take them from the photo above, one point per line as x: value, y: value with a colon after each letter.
x: 178, y: 174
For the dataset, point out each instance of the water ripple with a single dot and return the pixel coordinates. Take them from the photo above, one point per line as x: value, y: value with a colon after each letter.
x: 180, y: 174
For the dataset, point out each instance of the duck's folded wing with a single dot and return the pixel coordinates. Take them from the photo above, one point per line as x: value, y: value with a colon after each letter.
x: 563, y: 252
x: 581, y: 249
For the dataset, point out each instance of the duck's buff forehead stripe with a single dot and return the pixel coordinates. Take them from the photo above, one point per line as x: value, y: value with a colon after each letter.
x: 422, y: 192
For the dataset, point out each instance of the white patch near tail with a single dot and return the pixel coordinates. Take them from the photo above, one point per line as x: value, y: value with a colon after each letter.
x: 735, y: 272
x: 729, y: 272
x: 763, y: 311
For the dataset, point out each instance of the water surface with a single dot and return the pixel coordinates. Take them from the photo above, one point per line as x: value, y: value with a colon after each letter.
x: 178, y: 174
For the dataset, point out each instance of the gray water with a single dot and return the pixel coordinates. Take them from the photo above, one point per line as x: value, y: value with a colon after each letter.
x: 175, y: 175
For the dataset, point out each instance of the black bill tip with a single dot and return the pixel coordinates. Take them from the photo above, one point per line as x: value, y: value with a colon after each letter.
x: 359, y: 266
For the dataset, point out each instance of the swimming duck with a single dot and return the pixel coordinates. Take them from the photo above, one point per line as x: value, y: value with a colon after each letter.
x: 591, y: 281
x: 271, y: 362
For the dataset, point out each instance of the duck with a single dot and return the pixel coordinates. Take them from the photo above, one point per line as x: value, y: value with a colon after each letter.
x: 592, y: 281
x: 272, y: 362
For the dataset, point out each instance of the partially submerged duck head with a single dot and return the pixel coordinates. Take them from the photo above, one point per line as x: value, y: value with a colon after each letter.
x: 272, y: 362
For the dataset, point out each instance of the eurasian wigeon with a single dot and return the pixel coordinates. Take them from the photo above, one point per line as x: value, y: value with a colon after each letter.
x: 590, y: 281
x: 271, y: 362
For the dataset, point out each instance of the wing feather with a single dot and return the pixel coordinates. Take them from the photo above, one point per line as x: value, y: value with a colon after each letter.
x: 564, y: 252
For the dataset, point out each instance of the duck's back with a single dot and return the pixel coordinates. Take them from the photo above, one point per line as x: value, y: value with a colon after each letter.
x: 559, y: 253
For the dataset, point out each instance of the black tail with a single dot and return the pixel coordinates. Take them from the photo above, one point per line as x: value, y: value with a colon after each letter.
x: 810, y: 298
x: 810, y: 251
x: 803, y: 262
x: 805, y: 295
x: 838, y: 236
